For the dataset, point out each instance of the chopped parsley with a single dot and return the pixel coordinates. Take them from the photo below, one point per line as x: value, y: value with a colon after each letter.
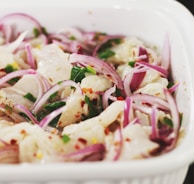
x: 44, y: 31
x: 94, y: 107
x: 72, y: 37
x: 78, y: 73
x: 167, y: 121
x: 170, y: 84
x: 106, y: 54
x: 9, y: 68
x: 47, y: 109
x: 53, y: 106
x: 53, y: 97
x: 104, y: 51
x: 36, y: 32
x: 30, y: 97
x: 66, y: 138
x: 131, y: 63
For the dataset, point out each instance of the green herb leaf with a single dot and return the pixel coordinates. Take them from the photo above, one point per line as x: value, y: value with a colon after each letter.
x: 72, y: 37
x: 30, y: 97
x: 66, y: 138
x: 9, y: 68
x: 13, y: 81
x: 109, y: 44
x: 53, y: 106
x: 168, y: 122
x: 36, y: 32
x: 131, y: 63
x: 170, y: 84
x: 106, y: 54
x: 93, y: 108
x: 53, y: 96
x: 8, y: 109
x: 77, y: 73
x: 90, y: 69
x: 44, y: 31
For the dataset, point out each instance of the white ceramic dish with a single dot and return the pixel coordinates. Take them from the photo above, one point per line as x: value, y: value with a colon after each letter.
x: 149, y: 20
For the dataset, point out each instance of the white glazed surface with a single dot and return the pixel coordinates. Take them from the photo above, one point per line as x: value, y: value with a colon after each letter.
x: 149, y: 20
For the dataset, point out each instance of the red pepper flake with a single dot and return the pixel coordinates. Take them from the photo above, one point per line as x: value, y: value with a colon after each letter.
x: 77, y: 147
x: 120, y: 98
x: 23, y: 132
x: 59, y: 123
x: 127, y: 139
x: 106, y: 130
x: 50, y: 137
x: 13, y: 141
x: 82, y: 140
x: 116, y: 143
x: 34, y: 154
x: 87, y: 90
x: 78, y: 115
x: 82, y: 104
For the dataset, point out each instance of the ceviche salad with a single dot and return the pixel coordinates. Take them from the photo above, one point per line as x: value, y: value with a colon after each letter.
x: 74, y: 95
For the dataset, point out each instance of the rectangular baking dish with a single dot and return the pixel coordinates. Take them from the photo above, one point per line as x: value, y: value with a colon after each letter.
x: 149, y: 20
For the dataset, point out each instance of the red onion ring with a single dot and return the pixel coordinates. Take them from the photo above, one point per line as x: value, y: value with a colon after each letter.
x: 30, y: 58
x: 127, y: 111
x: 47, y: 119
x: 120, y: 144
x: 23, y: 109
x: 157, y: 68
x: 106, y: 96
x: 23, y: 16
x: 52, y: 90
x: 14, y: 74
x: 82, y: 154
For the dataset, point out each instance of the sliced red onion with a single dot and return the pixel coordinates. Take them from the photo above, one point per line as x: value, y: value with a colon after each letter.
x: 60, y: 37
x: 174, y: 87
x: 106, y: 96
x: 127, y: 111
x: 62, y: 45
x: 24, y: 110
x: 142, y: 108
x: 150, y: 99
x: 166, y: 53
x: 30, y: 58
x: 89, y: 38
x: 9, y: 153
x: 154, y: 123
x: 14, y: 45
x: 26, y: 17
x: 14, y: 74
x: 86, y: 153
x: 119, y: 144
x: 8, y: 31
x: 75, y: 47
x: 100, y: 67
x: 157, y: 68
x: 47, y: 119
x: 71, y: 31
x: 133, y: 79
x: 52, y: 90
x: 175, y: 119
x: 137, y: 78
x: 143, y: 52
x: 106, y: 39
